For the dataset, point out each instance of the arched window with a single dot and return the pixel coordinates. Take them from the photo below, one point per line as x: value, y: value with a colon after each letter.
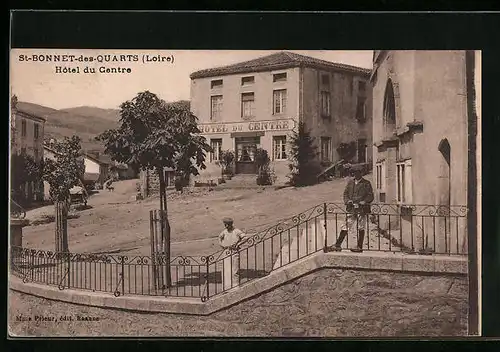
x: 444, y: 175
x: 389, y: 108
x: 445, y: 149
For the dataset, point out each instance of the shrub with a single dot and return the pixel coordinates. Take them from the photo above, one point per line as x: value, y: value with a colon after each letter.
x: 262, y: 162
x: 226, y: 160
x: 303, y: 168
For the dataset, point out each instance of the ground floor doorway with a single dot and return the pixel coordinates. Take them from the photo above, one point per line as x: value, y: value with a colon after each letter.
x: 245, y: 154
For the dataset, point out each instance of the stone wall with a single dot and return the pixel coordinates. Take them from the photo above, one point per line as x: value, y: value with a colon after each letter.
x: 150, y: 182
x: 329, y: 303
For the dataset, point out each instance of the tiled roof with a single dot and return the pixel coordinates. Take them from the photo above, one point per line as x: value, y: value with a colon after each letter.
x: 101, y: 159
x: 281, y: 60
x: 28, y: 113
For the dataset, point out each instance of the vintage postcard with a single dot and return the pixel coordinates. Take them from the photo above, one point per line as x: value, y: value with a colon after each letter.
x: 239, y: 193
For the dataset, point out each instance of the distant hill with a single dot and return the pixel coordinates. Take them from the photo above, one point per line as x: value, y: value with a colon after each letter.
x: 112, y: 115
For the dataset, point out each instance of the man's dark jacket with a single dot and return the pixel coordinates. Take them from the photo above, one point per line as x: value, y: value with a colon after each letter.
x: 356, y: 193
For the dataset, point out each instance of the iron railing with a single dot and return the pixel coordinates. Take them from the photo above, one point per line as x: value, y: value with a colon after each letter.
x: 424, y: 229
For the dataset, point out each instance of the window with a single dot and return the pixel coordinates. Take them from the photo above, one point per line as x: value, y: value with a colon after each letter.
x: 325, y: 149
x: 36, y: 130
x: 361, y: 150
x: 279, y: 147
x: 247, y: 105
x: 23, y: 128
x: 216, y: 83
x: 380, y: 176
x: 389, y: 108
x: 325, y: 104
x: 361, y: 86
x: 216, y: 107
x: 247, y: 80
x: 404, y: 181
x: 325, y: 79
x: 279, y: 77
x: 361, y: 109
x: 351, y: 84
x: 216, y: 145
x: 279, y: 101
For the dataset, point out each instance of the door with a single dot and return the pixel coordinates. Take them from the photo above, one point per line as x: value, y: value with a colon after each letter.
x: 245, y: 154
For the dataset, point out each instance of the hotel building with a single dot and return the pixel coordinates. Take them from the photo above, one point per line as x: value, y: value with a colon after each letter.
x: 258, y: 103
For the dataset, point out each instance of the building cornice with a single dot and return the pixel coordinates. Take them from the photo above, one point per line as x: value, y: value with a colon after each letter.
x: 410, y: 128
x: 387, y: 142
x: 392, y: 141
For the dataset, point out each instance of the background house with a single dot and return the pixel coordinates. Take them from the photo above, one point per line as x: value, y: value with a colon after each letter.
x: 97, y: 168
x: 27, y: 134
x: 121, y: 171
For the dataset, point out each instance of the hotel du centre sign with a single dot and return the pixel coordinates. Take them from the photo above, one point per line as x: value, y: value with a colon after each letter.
x: 253, y: 126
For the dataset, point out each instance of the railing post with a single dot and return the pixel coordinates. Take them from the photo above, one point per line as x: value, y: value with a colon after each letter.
x: 208, y: 277
x: 123, y: 275
x: 69, y: 269
x: 32, y: 264
x: 325, y: 248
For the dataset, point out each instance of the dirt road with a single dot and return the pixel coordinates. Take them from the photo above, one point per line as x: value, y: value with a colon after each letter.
x: 116, y: 223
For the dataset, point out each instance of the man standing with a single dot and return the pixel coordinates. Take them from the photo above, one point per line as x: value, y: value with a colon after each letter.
x: 358, y: 195
x: 230, y: 239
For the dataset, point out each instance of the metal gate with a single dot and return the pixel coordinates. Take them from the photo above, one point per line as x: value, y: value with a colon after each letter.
x: 157, y: 221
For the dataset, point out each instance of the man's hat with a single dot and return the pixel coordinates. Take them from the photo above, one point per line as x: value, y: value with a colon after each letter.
x: 356, y: 168
x: 227, y: 221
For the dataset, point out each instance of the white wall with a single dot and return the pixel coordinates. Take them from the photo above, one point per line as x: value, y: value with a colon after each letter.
x: 91, y: 166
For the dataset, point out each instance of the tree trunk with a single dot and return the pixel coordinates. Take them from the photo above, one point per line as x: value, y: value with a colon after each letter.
x: 165, y: 228
x: 61, y: 220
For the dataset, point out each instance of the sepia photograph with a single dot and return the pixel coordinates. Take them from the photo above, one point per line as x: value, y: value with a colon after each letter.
x: 243, y: 193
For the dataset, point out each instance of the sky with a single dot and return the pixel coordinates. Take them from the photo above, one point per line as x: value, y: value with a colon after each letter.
x: 39, y: 83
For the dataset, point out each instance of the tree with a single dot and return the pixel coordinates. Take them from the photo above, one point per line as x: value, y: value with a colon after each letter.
x: 62, y: 174
x: 303, y: 169
x: 24, y: 170
x: 154, y: 135
x: 262, y: 162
